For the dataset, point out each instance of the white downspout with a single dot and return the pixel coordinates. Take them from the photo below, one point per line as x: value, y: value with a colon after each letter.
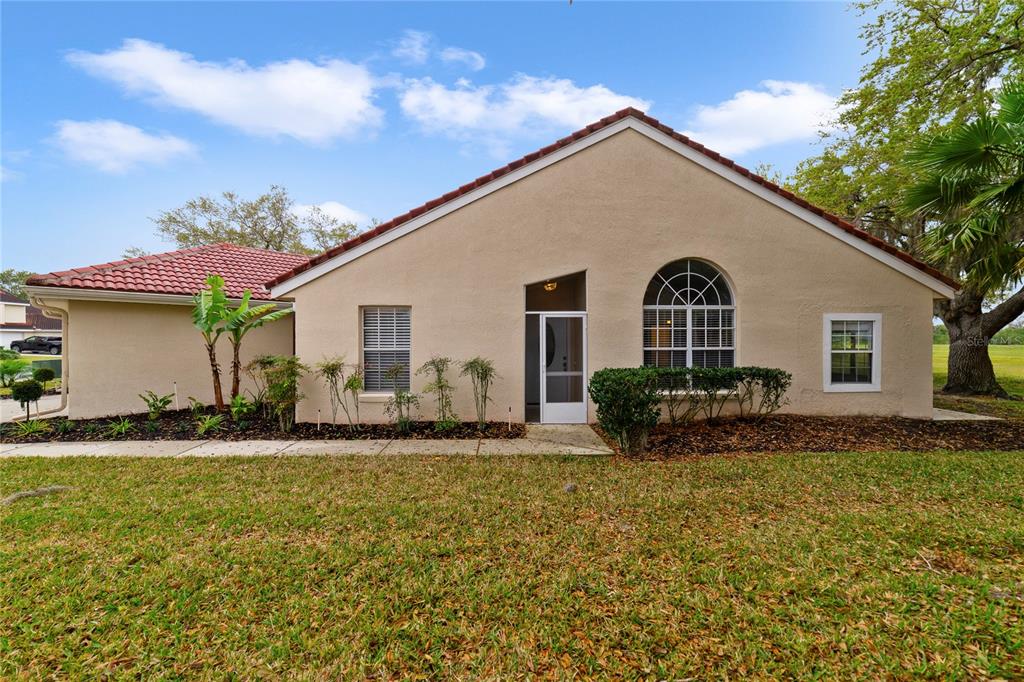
x: 62, y: 315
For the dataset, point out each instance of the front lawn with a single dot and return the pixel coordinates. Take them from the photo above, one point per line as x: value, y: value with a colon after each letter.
x: 1008, y: 362
x: 873, y: 565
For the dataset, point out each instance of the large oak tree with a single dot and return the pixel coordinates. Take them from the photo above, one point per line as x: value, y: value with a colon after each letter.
x: 936, y: 64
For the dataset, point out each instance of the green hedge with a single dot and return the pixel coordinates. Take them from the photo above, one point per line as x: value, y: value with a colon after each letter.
x: 628, y: 399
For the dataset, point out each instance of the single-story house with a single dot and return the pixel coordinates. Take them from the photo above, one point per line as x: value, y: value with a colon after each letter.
x: 625, y: 243
x: 20, y: 320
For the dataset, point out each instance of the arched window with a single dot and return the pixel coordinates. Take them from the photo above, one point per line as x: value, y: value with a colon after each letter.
x: 689, y: 317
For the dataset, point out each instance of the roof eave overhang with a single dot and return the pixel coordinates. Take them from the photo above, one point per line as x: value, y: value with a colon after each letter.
x: 107, y: 295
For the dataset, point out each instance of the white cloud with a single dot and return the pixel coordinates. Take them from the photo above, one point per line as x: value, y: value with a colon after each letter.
x: 779, y: 112
x: 523, y: 106
x: 311, y: 102
x: 6, y: 174
x: 458, y: 55
x: 417, y: 47
x: 334, y: 209
x: 413, y: 46
x: 115, y: 147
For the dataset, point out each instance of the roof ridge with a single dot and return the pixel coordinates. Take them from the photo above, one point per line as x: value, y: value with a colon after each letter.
x: 580, y: 134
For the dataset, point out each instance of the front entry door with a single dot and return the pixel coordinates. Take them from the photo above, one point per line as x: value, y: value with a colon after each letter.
x: 563, y: 368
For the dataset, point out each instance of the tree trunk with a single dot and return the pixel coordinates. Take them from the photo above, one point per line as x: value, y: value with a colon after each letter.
x: 236, y: 368
x: 218, y: 395
x: 970, y: 369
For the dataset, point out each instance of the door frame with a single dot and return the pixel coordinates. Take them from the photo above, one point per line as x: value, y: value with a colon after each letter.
x: 545, y: 416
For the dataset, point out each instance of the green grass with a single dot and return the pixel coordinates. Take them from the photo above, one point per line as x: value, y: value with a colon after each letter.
x: 1008, y: 362
x: 835, y: 566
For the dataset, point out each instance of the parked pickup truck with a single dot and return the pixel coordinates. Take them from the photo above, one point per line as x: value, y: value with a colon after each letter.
x: 38, y: 344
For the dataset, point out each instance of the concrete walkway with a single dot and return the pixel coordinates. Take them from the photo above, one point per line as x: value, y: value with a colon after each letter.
x: 941, y: 415
x: 540, y: 440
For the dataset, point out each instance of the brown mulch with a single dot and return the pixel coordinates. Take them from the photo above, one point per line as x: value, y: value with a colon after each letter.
x: 796, y: 433
x: 181, y: 425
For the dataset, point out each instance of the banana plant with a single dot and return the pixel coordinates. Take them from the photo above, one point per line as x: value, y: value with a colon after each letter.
x: 209, y: 313
x: 240, y: 321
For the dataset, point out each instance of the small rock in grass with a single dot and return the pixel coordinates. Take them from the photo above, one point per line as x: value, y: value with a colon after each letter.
x: 569, y: 487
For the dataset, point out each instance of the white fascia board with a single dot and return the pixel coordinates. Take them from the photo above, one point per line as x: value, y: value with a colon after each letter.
x: 76, y: 294
x: 720, y: 169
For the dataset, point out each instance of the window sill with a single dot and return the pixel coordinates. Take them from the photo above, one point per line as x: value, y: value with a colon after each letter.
x: 374, y: 397
x: 853, y: 388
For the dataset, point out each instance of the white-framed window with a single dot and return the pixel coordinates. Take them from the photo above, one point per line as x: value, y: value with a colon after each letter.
x: 387, y: 340
x: 689, y: 317
x: 852, y: 352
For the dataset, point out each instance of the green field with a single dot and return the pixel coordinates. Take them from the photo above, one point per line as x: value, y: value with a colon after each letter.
x: 1008, y: 362
x: 833, y: 566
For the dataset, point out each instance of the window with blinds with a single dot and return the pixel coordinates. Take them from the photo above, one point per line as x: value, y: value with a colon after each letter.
x: 387, y: 338
x: 689, y: 317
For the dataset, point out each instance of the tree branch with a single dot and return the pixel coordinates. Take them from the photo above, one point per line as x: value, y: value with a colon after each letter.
x: 1003, y: 314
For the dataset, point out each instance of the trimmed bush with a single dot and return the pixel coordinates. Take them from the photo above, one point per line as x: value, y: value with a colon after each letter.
x: 628, y: 399
x: 26, y: 392
x: 43, y: 374
x: 627, y: 402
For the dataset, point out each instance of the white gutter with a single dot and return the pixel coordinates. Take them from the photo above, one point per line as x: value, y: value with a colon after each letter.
x: 76, y: 294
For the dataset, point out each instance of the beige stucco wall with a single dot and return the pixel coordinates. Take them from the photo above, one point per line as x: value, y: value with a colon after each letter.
x: 116, y: 351
x: 620, y: 210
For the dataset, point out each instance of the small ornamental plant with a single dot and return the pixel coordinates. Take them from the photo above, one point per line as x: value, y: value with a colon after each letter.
x: 27, y: 392
x: 400, y: 404
x: 43, y: 374
x: 481, y: 373
x: 443, y: 390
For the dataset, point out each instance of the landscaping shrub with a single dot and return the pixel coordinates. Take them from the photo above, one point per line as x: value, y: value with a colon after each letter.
x: 342, y: 381
x: 283, y: 388
x: 155, y: 404
x: 353, y: 387
x: 401, y: 402
x: 26, y: 392
x: 627, y: 404
x: 764, y: 385
x: 481, y: 374
x: 120, y: 427
x: 43, y: 374
x: 628, y: 399
x: 440, y: 386
x: 241, y: 408
x: 208, y: 423
x: 681, y: 402
x: 29, y: 427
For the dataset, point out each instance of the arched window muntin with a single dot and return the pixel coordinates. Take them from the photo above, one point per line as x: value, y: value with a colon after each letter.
x: 689, y: 317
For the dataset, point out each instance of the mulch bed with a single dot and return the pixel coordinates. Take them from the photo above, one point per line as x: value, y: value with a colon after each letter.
x: 796, y: 433
x: 181, y: 425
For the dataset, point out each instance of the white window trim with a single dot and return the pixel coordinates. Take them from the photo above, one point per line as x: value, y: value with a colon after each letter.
x: 876, y: 352
x: 381, y: 396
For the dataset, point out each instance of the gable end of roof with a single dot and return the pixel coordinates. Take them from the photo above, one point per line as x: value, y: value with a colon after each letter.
x: 581, y: 134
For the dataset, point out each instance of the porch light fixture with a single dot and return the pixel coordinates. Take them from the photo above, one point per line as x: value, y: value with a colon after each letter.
x: 550, y: 286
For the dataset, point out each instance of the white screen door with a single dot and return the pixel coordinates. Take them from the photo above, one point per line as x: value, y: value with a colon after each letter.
x: 563, y: 368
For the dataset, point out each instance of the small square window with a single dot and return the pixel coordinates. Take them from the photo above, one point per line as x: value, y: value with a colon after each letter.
x: 852, y: 359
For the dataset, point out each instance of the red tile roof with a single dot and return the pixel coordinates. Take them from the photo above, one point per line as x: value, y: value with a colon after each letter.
x: 181, y: 272
x: 578, y: 135
x: 7, y: 297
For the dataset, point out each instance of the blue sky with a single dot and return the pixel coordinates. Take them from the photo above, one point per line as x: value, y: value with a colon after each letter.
x: 114, y: 112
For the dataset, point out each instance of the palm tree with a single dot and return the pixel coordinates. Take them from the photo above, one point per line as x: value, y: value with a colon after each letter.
x: 240, y: 321
x: 971, y: 193
x: 208, y: 315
